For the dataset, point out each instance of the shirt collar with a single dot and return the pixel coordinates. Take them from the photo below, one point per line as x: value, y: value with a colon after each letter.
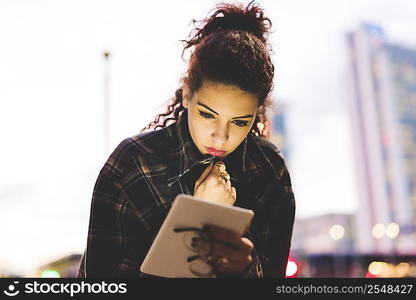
x: 189, y: 153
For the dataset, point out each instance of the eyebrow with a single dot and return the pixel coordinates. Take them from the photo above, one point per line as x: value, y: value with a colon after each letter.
x: 207, y: 107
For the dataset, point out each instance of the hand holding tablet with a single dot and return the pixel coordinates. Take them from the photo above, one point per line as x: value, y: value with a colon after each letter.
x: 178, y: 249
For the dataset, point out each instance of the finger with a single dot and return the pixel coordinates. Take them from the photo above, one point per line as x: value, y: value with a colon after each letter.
x: 247, y: 244
x: 215, y: 176
x: 205, y: 243
x: 230, y: 200
x: 205, y: 174
x: 226, y: 183
x: 242, y: 255
x: 220, y: 165
x: 202, y: 248
x: 208, y: 170
x: 221, y: 233
x: 229, y: 238
x: 217, y: 172
x: 230, y: 267
x: 234, y: 192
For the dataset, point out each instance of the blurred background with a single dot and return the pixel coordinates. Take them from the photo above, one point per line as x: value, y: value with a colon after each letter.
x: 77, y: 77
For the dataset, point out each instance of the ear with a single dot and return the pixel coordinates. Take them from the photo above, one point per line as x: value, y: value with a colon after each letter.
x: 185, y: 101
x: 185, y: 96
x: 260, y: 109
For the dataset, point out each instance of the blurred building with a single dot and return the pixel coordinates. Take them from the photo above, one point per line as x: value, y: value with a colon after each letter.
x: 320, y: 245
x: 383, y: 117
x: 324, y: 234
x: 324, y: 246
x: 352, y: 265
x: 278, y: 132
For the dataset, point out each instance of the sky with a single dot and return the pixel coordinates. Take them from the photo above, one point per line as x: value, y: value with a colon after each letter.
x: 52, y: 89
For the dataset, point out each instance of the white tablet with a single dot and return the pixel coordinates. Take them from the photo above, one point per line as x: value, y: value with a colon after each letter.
x: 169, y: 254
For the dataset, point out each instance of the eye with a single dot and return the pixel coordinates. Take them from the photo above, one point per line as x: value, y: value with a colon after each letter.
x: 206, y: 115
x: 240, y: 123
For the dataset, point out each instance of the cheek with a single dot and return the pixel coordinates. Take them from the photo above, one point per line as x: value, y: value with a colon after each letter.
x: 199, y: 129
x: 240, y: 136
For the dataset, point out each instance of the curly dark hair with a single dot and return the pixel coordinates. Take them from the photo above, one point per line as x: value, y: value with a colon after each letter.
x: 230, y: 48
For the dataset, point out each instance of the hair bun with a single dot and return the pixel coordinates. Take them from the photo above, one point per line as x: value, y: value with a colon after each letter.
x: 235, y: 17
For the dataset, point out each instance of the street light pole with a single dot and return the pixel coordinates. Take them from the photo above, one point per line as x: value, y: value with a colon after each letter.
x: 106, y: 120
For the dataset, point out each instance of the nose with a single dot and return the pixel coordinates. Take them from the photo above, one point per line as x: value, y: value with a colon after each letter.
x: 220, y: 135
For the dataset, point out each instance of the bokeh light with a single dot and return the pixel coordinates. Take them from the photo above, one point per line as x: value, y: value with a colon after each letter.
x: 403, y: 269
x: 337, y: 232
x: 392, y: 230
x: 291, y: 268
x: 50, y: 274
x: 379, y: 230
x: 377, y: 268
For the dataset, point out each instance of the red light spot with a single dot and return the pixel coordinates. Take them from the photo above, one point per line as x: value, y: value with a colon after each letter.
x: 369, y: 275
x: 291, y: 268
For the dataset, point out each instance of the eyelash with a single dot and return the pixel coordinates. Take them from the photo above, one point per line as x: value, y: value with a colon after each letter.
x: 210, y: 116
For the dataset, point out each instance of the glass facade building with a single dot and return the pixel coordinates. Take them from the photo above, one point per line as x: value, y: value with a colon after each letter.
x: 383, y: 118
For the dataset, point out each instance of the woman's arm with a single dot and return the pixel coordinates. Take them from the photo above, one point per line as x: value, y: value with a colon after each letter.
x: 116, y: 237
x: 281, y: 212
x: 104, y: 244
x: 116, y: 243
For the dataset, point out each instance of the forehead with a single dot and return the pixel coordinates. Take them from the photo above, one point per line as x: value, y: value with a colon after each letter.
x: 226, y: 99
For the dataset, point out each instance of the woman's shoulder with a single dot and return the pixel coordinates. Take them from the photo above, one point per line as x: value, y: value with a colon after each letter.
x: 148, y: 143
x: 268, y: 155
x: 124, y: 157
x: 268, y: 148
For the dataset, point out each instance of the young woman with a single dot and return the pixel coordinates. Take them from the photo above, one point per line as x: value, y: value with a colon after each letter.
x: 215, y: 149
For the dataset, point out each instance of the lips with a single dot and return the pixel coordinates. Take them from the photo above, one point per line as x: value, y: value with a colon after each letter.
x: 215, y: 152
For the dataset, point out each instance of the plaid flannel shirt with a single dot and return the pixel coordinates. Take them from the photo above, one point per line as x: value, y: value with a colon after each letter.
x: 131, y: 199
